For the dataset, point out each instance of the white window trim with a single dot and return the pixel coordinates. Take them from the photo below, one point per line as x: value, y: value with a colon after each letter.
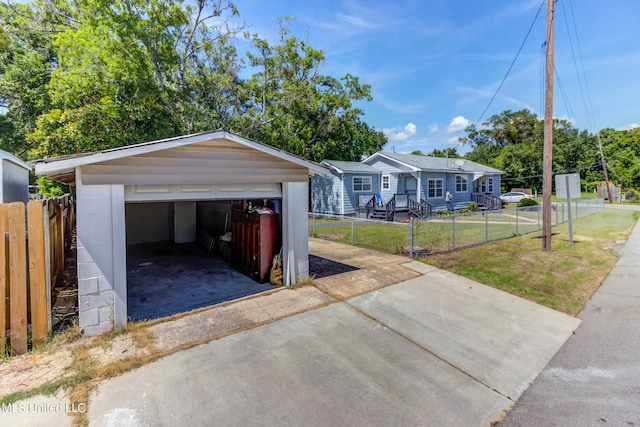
x: 489, y: 185
x: 436, y: 188
x: 466, y: 184
x: 363, y: 178
x: 388, y: 183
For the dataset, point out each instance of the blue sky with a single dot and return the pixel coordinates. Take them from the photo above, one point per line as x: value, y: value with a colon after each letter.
x: 434, y: 65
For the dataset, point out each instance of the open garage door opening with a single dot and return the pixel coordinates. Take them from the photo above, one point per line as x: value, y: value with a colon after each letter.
x: 184, y: 255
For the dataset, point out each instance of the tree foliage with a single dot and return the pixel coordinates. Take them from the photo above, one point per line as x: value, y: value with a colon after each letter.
x: 513, y: 142
x: 87, y: 75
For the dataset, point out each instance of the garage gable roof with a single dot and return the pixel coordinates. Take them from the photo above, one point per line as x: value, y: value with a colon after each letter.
x: 63, y: 168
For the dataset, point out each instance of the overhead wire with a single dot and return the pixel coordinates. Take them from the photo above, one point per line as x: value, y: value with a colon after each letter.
x: 511, y: 66
x: 590, y: 114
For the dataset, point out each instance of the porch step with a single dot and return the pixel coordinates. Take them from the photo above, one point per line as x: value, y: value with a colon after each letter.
x: 378, y: 214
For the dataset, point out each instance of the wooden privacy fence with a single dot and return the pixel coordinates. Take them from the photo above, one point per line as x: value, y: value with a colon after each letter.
x: 36, y: 237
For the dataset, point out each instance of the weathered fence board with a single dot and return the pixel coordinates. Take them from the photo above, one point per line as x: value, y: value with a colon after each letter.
x: 18, y: 278
x: 32, y: 254
x: 39, y: 295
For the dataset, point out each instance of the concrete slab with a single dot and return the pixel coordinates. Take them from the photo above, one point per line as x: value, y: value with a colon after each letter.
x: 371, y: 269
x: 39, y: 411
x: 420, y: 267
x: 165, y: 278
x: 501, y: 340
x: 331, y: 366
x: 223, y: 320
x: 595, y: 377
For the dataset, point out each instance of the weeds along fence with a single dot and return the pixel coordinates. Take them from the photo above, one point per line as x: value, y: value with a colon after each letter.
x: 442, y: 233
x: 32, y: 257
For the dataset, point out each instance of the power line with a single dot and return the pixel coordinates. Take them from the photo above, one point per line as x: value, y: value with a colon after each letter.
x: 575, y: 63
x: 510, y: 66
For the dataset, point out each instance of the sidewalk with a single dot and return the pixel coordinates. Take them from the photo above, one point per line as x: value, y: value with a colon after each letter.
x: 594, y: 379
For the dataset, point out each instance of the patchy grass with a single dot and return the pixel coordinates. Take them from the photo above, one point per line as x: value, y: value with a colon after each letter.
x: 563, y: 278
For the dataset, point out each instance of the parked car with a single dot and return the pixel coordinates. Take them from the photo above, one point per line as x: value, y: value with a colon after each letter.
x: 515, y: 196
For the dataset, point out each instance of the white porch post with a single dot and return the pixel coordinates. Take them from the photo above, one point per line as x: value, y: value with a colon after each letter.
x: 295, y: 238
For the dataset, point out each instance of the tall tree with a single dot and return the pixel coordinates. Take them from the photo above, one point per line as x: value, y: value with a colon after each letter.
x: 296, y: 108
x: 106, y: 73
x: 512, y: 142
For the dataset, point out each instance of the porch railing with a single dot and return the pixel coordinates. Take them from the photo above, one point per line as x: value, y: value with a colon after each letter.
x: 420, y: 209
x: 488, y: 200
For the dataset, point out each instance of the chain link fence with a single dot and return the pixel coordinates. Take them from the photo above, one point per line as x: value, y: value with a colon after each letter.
x: 414, y: 237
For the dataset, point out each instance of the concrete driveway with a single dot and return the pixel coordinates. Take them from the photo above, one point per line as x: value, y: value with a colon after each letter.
x: 436, y: 349
x: 387, y: 341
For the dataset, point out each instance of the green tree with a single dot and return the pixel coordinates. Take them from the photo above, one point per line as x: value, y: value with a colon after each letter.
x: 513, y: 142
x: 622, y: 153
x: 296, y: 108
x: 96, y: 74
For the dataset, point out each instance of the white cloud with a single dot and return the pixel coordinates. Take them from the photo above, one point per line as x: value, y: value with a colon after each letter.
x: 434, y: 128
x: 629, y: 127
x: 571, y: 120
x: 354, y: 20
x: 458, y: 123
x: 453, y: 140
x: 399, y: 133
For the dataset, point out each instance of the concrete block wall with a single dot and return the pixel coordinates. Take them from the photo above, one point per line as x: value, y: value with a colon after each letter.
x: 95, y: 258
x: 295, y: 231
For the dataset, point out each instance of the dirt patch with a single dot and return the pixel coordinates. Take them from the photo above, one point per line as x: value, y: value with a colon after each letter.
x: 25, y: 372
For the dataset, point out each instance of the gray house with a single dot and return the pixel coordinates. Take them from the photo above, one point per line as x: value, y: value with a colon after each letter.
x: 343, y: 189
x: 407, y: 182
x: 168, y: 190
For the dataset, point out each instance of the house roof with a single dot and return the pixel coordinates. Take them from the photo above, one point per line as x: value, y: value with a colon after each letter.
x: 435, y: 164
x: 350, y: 167
x: 62, y: 168
x: 13, y: 159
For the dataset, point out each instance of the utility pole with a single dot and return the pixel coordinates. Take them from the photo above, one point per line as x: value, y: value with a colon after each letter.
x: 547, y: 165
x: 604, y: 168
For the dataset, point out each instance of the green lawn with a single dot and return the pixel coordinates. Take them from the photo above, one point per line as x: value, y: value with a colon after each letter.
x: 564, y: 278
x: 437, y: 234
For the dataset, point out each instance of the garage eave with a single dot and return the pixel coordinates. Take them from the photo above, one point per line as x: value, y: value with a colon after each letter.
x: 63, y: 168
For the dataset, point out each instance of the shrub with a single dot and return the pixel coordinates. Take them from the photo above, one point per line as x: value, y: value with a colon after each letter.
x: 527, y: 202
x: 471, y: 207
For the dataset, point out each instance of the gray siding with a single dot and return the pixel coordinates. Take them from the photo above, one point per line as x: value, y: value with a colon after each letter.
x: 351, y: 196
x: 396, y: 183
x: 326, y: 193
x: 15, y: 183
x: 448, y: 184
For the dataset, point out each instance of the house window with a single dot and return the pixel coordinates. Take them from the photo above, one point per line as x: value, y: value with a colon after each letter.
x: 434, y: 188
x: 461, y: 184
x: 386, y: 183
x: 487, y: 186
x: 361, y: 183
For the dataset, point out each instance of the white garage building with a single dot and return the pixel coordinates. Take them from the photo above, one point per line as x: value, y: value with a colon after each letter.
x: 121, y: 193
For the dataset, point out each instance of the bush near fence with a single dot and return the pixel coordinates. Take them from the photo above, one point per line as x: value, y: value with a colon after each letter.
x: 36, y: 238
x: 442, y: 234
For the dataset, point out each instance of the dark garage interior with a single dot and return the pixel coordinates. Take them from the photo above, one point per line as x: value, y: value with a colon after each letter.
x: 181, y: 255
